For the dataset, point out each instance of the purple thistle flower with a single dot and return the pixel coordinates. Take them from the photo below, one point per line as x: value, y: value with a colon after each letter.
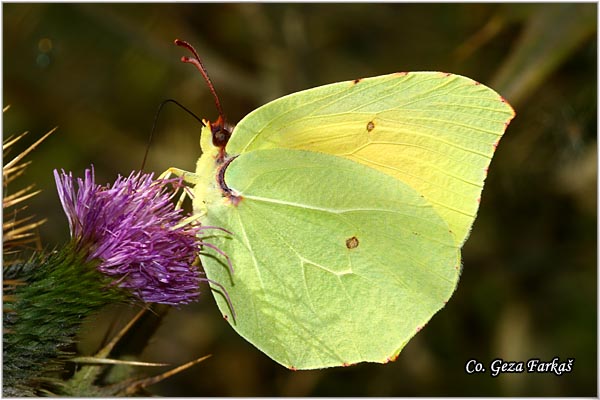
x: 136, y: 233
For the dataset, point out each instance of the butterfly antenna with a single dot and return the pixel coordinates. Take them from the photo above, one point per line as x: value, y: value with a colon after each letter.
x: 198, y: 64
x: 160, y: 106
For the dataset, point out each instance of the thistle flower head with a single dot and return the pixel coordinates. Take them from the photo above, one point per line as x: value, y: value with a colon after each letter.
x: 135, y: 233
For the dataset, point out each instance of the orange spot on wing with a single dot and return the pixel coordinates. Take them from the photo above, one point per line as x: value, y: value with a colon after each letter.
x: 370, y: 126
x: 391, y: 359
x: 234, y: 200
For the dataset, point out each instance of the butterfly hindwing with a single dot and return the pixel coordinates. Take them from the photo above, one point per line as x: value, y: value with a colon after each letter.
x: 335, y: 262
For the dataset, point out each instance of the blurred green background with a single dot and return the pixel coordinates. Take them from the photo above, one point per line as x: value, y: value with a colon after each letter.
x: 529, y: 283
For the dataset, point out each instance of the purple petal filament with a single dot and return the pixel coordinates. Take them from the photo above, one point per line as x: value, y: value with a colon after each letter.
x: 134, y: 230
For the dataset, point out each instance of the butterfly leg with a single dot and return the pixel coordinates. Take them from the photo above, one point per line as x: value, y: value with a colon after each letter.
x: 189, y: 178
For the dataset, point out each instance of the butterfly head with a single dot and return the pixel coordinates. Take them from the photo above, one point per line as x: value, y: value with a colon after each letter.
x: 220, y: 131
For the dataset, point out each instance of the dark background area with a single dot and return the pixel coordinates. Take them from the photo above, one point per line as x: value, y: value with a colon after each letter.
x: 529, y: 282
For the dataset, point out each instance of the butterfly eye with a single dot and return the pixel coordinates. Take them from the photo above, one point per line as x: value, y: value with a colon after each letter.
x: 221, y: 132
x: 220, y: 135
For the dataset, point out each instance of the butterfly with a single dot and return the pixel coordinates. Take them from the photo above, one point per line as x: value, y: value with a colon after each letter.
x: 344, y: 209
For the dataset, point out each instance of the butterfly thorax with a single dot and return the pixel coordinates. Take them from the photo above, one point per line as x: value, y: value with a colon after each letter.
x: 206, y: 189
x: 210, y: 186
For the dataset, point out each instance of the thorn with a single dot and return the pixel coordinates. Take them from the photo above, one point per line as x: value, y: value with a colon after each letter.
x: 143, y: 383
